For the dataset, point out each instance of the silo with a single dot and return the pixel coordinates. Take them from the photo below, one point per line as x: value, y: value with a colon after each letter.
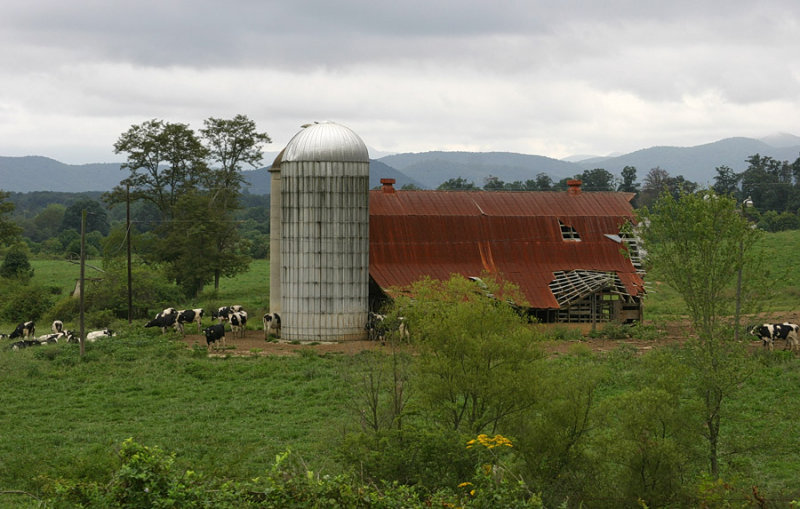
x: 324, y: 281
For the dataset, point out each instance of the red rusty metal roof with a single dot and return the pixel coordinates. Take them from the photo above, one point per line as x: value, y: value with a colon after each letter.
x: 515, y: 234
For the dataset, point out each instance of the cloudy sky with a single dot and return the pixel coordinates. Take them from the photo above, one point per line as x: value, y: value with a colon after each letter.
x: 554, y: 78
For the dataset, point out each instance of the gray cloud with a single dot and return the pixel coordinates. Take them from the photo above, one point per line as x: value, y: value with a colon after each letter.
x: 552, y: 78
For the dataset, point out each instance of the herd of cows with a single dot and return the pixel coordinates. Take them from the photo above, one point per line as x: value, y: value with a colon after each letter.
x: 236, y: 317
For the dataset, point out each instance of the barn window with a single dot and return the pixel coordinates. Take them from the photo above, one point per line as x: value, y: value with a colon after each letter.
x: 568, y: 232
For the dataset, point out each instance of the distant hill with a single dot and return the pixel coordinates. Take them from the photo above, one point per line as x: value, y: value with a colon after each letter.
x: 429, y: 169
x: 433, y: 168
x: 698, y: 163
x: 37, y: 173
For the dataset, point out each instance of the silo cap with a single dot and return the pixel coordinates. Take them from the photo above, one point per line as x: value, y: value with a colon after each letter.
x: 326, y: 141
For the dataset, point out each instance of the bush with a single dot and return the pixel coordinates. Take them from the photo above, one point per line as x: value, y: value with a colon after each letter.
x: 16, y: 265
x: 24, y: 302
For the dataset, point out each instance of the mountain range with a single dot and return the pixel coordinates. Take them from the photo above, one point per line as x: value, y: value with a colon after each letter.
x: 429, y: 169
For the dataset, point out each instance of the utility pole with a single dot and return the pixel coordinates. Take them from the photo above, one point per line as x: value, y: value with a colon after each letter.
x: 81, y: 282
x: 128, y: 236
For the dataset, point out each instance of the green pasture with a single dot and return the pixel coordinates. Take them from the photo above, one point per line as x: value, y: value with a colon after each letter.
x: 63, y: 416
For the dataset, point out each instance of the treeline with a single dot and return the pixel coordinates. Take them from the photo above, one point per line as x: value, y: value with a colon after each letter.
x: 773, y: 187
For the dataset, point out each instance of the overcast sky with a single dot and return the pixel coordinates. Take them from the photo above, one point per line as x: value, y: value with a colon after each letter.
x: 553, y: 78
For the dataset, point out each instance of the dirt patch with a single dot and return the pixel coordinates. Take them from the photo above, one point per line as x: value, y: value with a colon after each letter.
x: 253, y: 342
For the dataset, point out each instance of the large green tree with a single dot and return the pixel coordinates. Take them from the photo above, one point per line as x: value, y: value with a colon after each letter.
x: 164, y: 160
x: 231, y: 144
x: 477, y: 355
x: 699, y: 244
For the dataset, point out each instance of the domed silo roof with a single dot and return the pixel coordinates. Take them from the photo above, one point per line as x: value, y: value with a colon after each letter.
x: 326, y: 141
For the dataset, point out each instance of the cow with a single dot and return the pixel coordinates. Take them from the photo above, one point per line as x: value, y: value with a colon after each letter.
x: 272, y: 322
x: 238, y: 321
x: 57, y: 327
x: 23, y: 330
x: 215, y: 333
x: 164, y: 319
x: 93, y: 336
x: 17, y: 345
x: 189, y: 316
x: 50, y: 338
x: 769, y: 332
x: 224, y: 312
x: 375, y: 326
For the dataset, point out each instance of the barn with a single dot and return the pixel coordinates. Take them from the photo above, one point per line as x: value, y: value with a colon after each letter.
x: 564, y: 250
x: 339, y: 249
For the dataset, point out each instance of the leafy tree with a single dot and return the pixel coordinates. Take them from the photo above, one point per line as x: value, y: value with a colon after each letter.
x: 628, y: 184
x: 726, y: 182
x: 768, y: 182
x: 492, y: 183
x: 47, y: 223
x: 164, y: 159
x: 8, y: 230
x: 597, y: 179
x: 542, y: 182
x: 230, y: 145
x: 477, y: 356
x: 457, y: 184
x: 697, y: 244
x: 410, y: 187
x: 96, y: 216
x: 16, y: 265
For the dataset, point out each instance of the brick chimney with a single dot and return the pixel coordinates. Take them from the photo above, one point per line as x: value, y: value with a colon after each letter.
x: 388, y: 185
x: 574, y: 187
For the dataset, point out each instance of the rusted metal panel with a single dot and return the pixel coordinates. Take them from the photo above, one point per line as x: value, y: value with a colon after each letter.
x: 516, y: 234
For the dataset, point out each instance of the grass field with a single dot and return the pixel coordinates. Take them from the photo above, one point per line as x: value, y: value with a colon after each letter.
x: 63, y: 416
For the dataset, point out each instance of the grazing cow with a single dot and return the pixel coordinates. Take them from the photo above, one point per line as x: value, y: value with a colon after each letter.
x: 376, y: 329
x: 238, y: 321
x: 164, y: 319
x: 223, y: 313
x: 23, y: 330
x: 769, y: 332
x: 93, y: 336
x: 189, y: 316
x: 215, y: 333
x: 57, y: 327
x: 272, y: 322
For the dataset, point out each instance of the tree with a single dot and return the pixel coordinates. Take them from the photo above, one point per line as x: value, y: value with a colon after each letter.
x: 698, y: 244
x: 726, y: 182
x: 492, y: 183
x: 477, y: 356
x: 768, y: 182
x: 457, y: 184
x: 542, y: 182
x: 16, y: 265
x: 8, y: 230
x: 628, y: 184
x: 230, y: 145
x: 96, y: 216
x: 164, y: 159
x: 597, y: 179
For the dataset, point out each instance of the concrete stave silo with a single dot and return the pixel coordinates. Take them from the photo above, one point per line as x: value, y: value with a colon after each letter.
x: 324, y: 235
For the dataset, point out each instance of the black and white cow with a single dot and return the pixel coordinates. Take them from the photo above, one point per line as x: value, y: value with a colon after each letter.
x: 93, y: 336
x: 238, y: 320
x: 25, y: 343
x: 223, y: 313
x: 189, y: 316
x: 272, y: 324
x: 164, y: 319
x: 375, y: 326
x: 23, y: 330
x: 57, y: 327
x: 215, y: 333
x: 769, y: 332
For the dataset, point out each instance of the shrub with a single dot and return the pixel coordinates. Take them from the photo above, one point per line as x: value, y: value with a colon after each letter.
x: 24, y: 302
x: 16, y: 265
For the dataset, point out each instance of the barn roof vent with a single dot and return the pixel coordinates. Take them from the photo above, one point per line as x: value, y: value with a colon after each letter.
x: 574, y: 187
